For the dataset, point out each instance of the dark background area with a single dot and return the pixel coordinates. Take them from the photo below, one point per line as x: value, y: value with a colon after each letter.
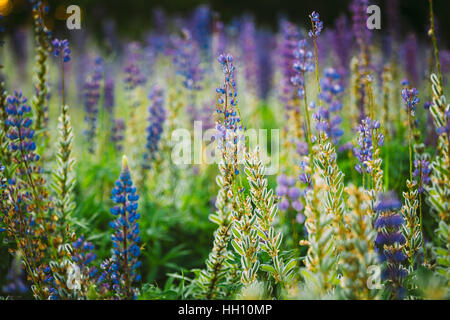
x: 134, y: 17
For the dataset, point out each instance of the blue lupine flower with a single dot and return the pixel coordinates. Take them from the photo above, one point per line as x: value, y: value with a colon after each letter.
x: 411, y: 99
x: 364, y: 150
x: 156, y: 122
x: 289, y: 193
x: 84, y: 256
x: 15, y: 279
x: 91, y: 99
x: 422, y: 173
x: 126, y: 236
x: 186, y: 58
x: 317, y: 25
x: 304, y: 63
x: 61, y: 47
x: 389, y: 241
x: 331, y: 90
x: 290, y: 38
x: 133, y: 74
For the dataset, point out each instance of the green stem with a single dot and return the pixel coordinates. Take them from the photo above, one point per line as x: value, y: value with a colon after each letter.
x: 409, y: 145
x: 433, y: 39
x: 421, y: 230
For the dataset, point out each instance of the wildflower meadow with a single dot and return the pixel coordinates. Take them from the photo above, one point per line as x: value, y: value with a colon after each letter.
x: 221, y: 159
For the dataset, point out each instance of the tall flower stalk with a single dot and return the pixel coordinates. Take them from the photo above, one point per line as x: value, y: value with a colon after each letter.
x: 126, y: 236
x: 229, y: 133
x: 39, y: 101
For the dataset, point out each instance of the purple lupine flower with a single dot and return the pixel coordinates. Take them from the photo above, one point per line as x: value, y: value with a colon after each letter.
x: 19, y: 42
x: 83, y: 256
x: 393, y: 18
x: 317, y: 25
x: 156, y: 121
x: 2, y: 30
x: 20, y: 131
x: 444, y: 57
x: 359, y: 18
x: 289, y: 193
x: 186, y: 58
x: 342, y: 42
x: 228, y: 90
x: 15, y: 284
x: 300, y: 218
x: 302, y: 148
x: 364, y: 150
x: 330, y: 95
x: 410, y: 49
x: 201, y: 27
x: 422, y: 173
x: 91, y: 99
x: 134, y: 76
x: 220, y: 37
x: 446, y: 128
x: 126, y: 237
x: 117, y: 133
x: 109, y: 94
x: 389, y: 241
x: 304, y: 63
x: 305, y: 177
x: 249, y: 52
x: 290, y: 38
x: 61, y: 47
x: 230, y: 130
x: 265, y: 44
x: 411, y: 99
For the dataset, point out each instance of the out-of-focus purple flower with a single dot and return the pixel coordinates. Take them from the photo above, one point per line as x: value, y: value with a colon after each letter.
x: 249, y: 52
x: 345, y: 147
x: 410, y: 49
x: 109, y: 94
x: 156, y: 121
x: 359, y: 22
x: 290, y: 37
x: 289, y: 193
x: 219, y: 37
x: 427, y: 105
x: 186, y: 58
x: 302, y: 148
x: 284, y: 204
x: 91, y: 99
x: 328, y: 117
x: 15, y: 284
x: 117, y: 133
x: 133, y: 72
x: 304, y: 63
x: 422, y: 173
x: 201, y: 27
x: 342, y: 43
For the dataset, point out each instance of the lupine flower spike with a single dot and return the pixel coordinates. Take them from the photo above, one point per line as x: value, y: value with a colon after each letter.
x: 126, y: 236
